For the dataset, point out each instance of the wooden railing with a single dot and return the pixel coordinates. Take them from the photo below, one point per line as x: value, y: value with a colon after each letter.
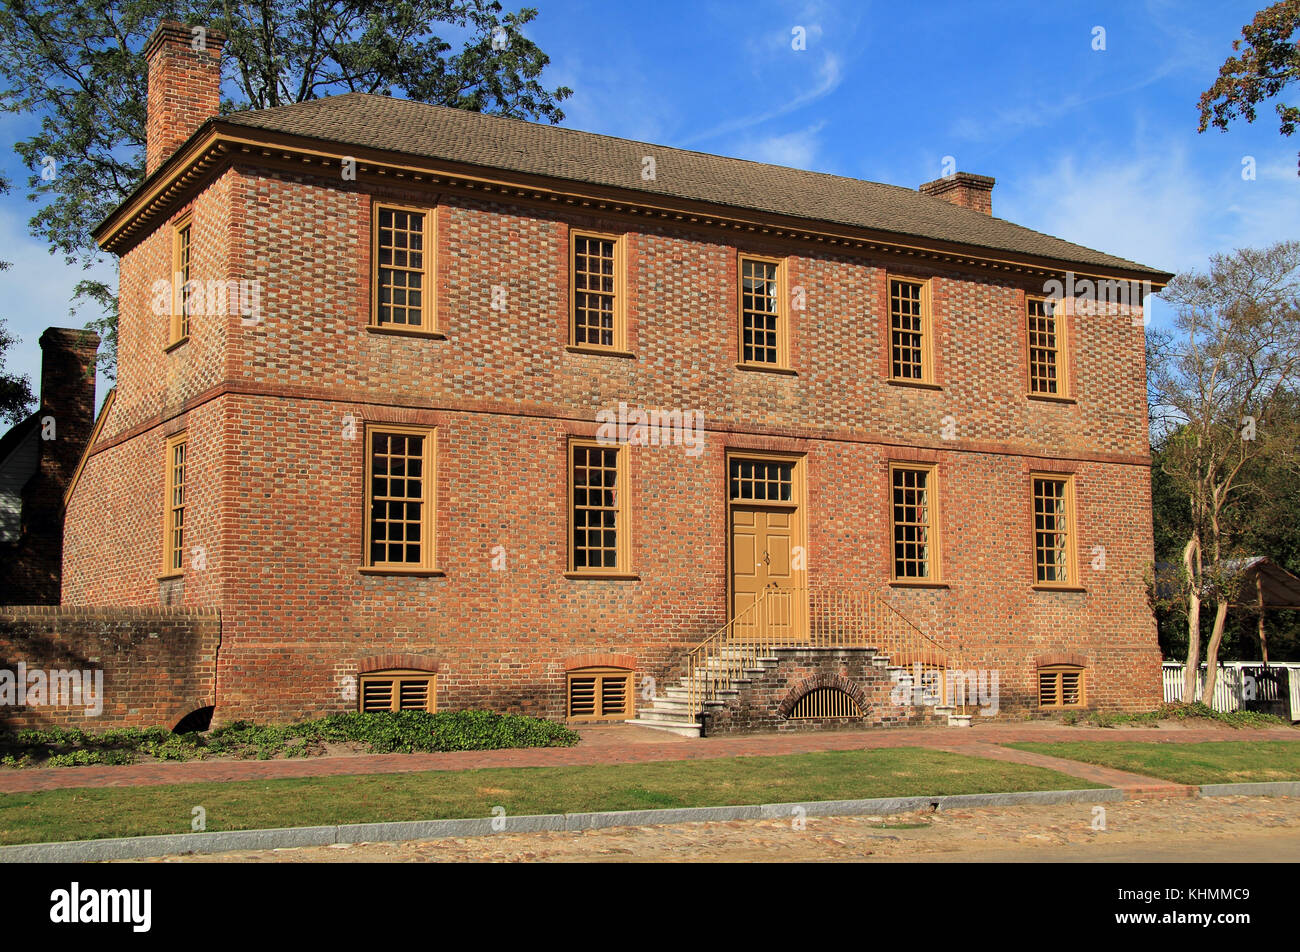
x: 808, y: 618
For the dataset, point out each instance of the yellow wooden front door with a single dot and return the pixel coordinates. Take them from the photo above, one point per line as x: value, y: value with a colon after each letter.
x: 762, y: 552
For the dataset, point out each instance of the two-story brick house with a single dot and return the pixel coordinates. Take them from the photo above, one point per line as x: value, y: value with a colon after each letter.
x: 389, y: 448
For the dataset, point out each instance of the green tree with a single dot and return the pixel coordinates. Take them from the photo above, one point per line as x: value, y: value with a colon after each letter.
x: 78, y: 66
x: 1222, y: 386
x: 16, y: 397
x: 1269, y: 62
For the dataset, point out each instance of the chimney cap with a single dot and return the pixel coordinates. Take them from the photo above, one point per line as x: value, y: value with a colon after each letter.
x: 72, y: 338
x: 174, y: 32
x: 956, y: 180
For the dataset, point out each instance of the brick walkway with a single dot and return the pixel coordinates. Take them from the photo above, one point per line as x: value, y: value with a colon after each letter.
x: 623, y: 744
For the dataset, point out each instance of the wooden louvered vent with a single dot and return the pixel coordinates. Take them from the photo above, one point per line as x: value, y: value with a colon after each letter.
x: 398, y: 691
x: 1060, y: 686
x: 825, y: 702
x: 603, y: 694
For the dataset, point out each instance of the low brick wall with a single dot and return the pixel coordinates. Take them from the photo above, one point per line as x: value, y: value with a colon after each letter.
x: 764, y: 704
x: 157, y: 664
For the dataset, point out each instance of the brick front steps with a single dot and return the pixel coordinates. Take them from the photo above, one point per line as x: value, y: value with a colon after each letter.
x: 763, y: 698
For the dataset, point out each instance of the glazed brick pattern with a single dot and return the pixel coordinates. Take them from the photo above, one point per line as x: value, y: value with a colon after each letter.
x: 159, y: 664
x: 277, y: 497
x: 764, y: 702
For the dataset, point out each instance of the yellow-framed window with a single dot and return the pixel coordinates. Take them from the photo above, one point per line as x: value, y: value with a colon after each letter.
x: 600, y: 694
x: 1054, y: 530
x: 402, y: 280
x: 1062, y: 685
x: 596, y: 296
x: 913, y: 503
x: 598, y: 532
x: 182, y: 237
x: 911, y: 345
x: 762, y: 320
x: 400, y: 481
x: 1045, y: 345
x: 398, y: 690
x: 176, y: 461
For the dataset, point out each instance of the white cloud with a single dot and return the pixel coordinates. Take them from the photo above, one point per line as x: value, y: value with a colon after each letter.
x: 797, y: 149
x: 829, y: 76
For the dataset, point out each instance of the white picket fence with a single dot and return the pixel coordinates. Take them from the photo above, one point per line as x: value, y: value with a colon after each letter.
x: 1229, y: 685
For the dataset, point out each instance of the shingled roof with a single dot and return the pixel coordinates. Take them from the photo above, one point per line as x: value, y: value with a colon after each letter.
x: 493, y: 142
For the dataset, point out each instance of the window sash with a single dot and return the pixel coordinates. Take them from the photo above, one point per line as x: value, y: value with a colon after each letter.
x: 912, y: 515
x: 182, y: 238
x: 596, y: 291
x: 1044, y: 343
x: 1054, y: 562
x: 598, y: 541
x: 402, y: 267
x: 755, y: 480
x: 400, y: 481
x: 909, y: 331
x: 175, y: 463
x: 762, y: 312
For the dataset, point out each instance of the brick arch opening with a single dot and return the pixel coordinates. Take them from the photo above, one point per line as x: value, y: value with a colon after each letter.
x: 397, y: 662
x: 835, y: 682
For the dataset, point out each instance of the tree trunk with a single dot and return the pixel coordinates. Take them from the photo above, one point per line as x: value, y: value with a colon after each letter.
x: 1193, y: 623
x: 1212, y: 649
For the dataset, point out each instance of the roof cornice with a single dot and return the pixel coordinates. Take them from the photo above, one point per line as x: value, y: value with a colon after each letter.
x: 218, y: 144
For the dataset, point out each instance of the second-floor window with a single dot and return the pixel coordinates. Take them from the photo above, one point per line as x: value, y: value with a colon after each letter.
x: 403, y: 255
x: 596, y: 299
x: 1054, y: 562
x: 180, y: 319
x: 174, y: 505
x: 762, y: 315
x: 1046, y: 350
x: 909, y: 331
x: 399, y: 498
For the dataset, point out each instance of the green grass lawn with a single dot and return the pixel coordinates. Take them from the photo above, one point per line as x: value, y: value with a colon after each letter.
x: 94, y: 813
x: 1228, y: 761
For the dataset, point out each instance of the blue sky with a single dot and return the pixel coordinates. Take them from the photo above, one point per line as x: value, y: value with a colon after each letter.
x: 1097, y: 146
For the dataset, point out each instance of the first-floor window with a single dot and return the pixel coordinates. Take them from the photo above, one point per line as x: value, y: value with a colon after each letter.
x: 598, y: 506
x: 913, y: 515
x: 1054, y: 530
x: 399, y: 498
x: 1060, y: 685
x: 174, y: 506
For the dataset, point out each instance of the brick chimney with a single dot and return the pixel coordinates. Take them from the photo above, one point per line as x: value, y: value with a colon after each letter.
x: 31, y: 569
x: 964, y: 189
x: 67, y: 396
x: 184, y: 86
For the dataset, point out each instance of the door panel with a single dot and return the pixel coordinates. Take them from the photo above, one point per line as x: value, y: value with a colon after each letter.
x: 762, y: 551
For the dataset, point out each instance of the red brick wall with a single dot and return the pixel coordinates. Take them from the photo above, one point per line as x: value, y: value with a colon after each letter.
x: 278, y: 490
x: 159, y: 664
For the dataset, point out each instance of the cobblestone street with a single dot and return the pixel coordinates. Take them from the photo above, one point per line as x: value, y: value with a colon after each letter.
x: 1224, y: 829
